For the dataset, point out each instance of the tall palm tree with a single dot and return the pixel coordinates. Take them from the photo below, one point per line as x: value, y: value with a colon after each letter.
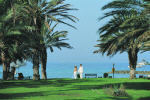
x: 51, y: 39
x: 5, y: 26
x: 10, y: 35
x: 129, y: 32
x: 40, y: 11
x: 120, y: 37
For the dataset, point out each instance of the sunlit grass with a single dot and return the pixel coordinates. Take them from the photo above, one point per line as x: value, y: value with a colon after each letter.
x: 67, y: 89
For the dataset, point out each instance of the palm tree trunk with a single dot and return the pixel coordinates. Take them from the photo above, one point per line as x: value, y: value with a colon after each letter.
x: 43, y: 62
x: 132, y: 63
x: 4, y: 63
x: 8, y: 66
x: 36, y: 75
x: 8, y: 62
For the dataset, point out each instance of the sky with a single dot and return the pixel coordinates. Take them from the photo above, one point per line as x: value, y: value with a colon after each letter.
x: 85, y: 36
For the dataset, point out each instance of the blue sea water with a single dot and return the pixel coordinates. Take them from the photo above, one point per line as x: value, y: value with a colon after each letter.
x: 65, y: 70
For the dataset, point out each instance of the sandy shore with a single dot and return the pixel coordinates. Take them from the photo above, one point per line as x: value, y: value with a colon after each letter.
x: 128, y: 72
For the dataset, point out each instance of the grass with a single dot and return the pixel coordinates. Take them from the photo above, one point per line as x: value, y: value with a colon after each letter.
x: 71, y: 89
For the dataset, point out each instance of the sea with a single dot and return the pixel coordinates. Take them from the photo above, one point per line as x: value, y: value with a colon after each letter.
x: 65, y: 70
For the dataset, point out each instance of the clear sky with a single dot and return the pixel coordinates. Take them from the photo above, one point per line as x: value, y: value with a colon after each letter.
x: 85, y: 36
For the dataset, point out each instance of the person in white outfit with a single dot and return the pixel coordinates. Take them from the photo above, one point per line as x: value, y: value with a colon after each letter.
x: 80, y: 70
x: 75, y: 72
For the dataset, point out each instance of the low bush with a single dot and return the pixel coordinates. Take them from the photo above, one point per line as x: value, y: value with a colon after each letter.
x: 105, y: 75
x: 110, y: 76
x: 115, y: 91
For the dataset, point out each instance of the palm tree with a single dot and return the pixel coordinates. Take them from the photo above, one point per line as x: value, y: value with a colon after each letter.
x: 120, y: 37
x: 10, y: 36
x: 128, y: 35
x: 21, y: 50
x: 5, y: 26
x: 40, y: 11
x: 51, y: 39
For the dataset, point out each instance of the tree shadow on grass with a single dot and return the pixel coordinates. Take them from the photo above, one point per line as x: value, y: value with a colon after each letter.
x: 137, y: 85
x: 144, y: 98
x: 63, y: 82
x: 36, y: 84
x: 76, y: 99
x: 113, y: 98
x: 128, y: 85
x: 27, y: 84
x: 106, y: 98
x: 22, y: 95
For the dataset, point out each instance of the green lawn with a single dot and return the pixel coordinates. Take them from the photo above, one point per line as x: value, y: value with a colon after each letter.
x: 70, y: 89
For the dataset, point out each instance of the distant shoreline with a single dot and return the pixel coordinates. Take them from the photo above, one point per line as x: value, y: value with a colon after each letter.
x: 128, y: 72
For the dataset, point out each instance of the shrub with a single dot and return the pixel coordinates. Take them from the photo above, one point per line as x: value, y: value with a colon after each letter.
x: 110, y: 76
x: 105, y: 75
x: 78, y: 75
x: 115, y: 91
